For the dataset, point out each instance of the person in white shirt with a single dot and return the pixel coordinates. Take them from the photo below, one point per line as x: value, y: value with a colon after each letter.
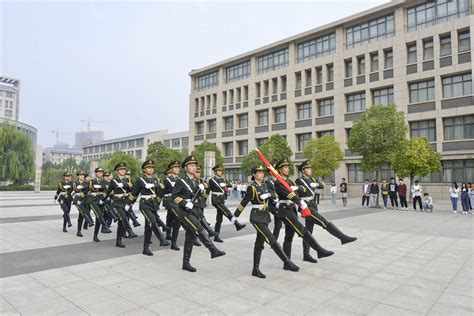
x: 427, y: 202
x: 365, y: 193
x: 454, y: 195
x: 333, y: 191
x: 243, y: 189
x: 416, y: 190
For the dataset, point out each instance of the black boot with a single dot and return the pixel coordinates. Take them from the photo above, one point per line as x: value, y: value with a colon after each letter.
x: 208, y: 228
x: 163, y: 225
x: 209, y: 245
x: 118, y: 242
x: 96, y: 231
x: 133, y: 217
x: 287, y: 263
x: 217, y: 238
x: 64, y: 223
x: 257, y: 254
x: 287, y: 248
x: 333, y: 230
x: 306, y: 256
x: 127, y: 228
x: 309, y: 239
x: 160, y: 236
x: 68, y: 218
x: 174, y: 238
x: 197, y: 243
x: 217, y: 229
x: 146, y: 242
x: 105, y: 229
x: 95, y: 238
x: 239, y: 226
x: 79, y: 234
x: 188, y: 248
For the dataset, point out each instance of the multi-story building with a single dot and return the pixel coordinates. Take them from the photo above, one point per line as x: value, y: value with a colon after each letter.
x: 136, y: 145
x: 58, y: 153
x: 415, y: 54
x: 10, y: 108
x: 88, y: 138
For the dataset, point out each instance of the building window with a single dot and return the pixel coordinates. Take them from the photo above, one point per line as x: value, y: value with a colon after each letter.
x: 423, y: 129
x: 208, y: 81
x: 320, y: 46
x: 361, y: 65
x: 308, y: 78
x: 199, y: 128
x: 325, y: 107
x: 243, y: 121
x: 272, y: 61
x: 388, y: 58
x: 464, y: 41
x: 319, y: 75
x: 457, y: 86
x: 458, y: 170
x: 348, y: 68
x: 460, y: 127
x: 280, y: 115
x: 138, y: 154
x: 185, y: 141
x: 370, y: 31
x: 260, y: 141
x: 330, y: 71
x: 356, y: 102
x: 436, y: 11
x: 422, y: 91
x: 445, y: 45
x: 141, y: 141
x: 228, y: 123
x: 283, y: 84
x: 374, y: 62
x: 243, y: 147
x: 383, y: 96
x: 262, y: 118
x: 356, y: 175
x: 428, y: 52
x: 176, y: 142
x: 212, y: 126
x: 238, y: 71
x: 411, y: 53
x: 304, y: 111
x: 298, y: 81
x: 302, y: 140
x: 323, y: 133
x: 228, y: 149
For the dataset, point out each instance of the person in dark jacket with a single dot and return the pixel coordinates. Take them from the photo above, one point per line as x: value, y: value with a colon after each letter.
x: 392, y: 192
x: 374, y: 192
x: 402, y: 194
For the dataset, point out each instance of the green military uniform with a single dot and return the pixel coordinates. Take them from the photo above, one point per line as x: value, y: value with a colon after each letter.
x: 216, y: 187
x: 80, y: 191
x: 109, y: 214
x: 130, y: 213
x: 288, y: 203
x: 64, y: 197
x: 172, y: 220
x: 260, y: 197
x: 184, y: 195
x: 85, y: 204
x: 272, y: 206
x: 96, y: 194
x: 146, y: 187
x: 201, y: 205
x: 117, y: 189
x: 307, y: 193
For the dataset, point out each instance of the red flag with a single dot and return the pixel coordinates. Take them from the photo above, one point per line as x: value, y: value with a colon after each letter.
x: 304, y: 212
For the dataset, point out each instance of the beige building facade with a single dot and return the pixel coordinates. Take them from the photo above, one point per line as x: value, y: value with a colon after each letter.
x: 415, y: 54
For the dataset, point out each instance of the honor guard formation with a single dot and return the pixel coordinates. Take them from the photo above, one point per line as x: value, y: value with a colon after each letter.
x: 112, y: 198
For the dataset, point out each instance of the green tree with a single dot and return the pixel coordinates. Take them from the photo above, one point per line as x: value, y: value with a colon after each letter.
x: 17, y: 159
x: 133, y: 164
x: 200, y: 149
x: 70, y: 164
x: 377, y: 136
x: 416, y: 158
x: 274, y: 149
x: 325, y: 154
x: 162, y: 156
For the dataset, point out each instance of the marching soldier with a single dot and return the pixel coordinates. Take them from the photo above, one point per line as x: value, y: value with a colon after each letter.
x: 307, y: 193
x: 85, y: 203
x: 146, y: 187
x: 201, y: 204
x: 185, y: 194
x: 80, y: 190
x: 64, y: 197
x: 130, y: 213
x: 272, y: 205
x: 109, y: 213
x: 288, y: 203
x: 118, y: 189
x: 259, y: 195
x: 96, y: 201
x: 171, y: 176
x: 216, y: 187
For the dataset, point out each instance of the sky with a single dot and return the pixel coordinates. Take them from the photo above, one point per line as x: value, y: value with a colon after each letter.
x: 127, y: 63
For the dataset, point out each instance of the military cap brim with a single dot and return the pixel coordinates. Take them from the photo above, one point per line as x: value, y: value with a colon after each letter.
x: 66, y: 174
x: 120, y: 165
x: 148, y: 163
x: 80, y: 173
x: 217, y: 168
x: 174, y: 163
x: 99, y: 169
x: 281, y: 163
x: 305, y: 164
x: 189, y: 160
x: 257, y: 169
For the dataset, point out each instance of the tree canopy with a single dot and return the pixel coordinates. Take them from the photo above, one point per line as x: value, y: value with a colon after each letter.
x: 325, y: 154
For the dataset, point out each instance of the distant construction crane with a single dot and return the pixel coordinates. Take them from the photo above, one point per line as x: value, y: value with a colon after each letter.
x: 101, y: 122
x: 57, y: 132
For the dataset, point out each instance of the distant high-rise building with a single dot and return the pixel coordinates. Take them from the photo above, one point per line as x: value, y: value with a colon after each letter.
x: 88, y: 138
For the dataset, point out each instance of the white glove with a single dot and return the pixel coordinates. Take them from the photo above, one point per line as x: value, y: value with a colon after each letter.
x: 78, y: 202
x: 277, y: 204
x: 172, y: 183
x: 101, y: 202
x: 303, y: 205
x: 149, y: 185
x: 80, y: 187
x: 264, y: 196
x: 201, y: 187
x: 120, y: 185
x: 295, y: 187
x: 67, y: 186
x: 189, y: 205
x: 127, y: 207
x: 55, y: 201
x: 97, y: 186
x: 222, y: 184
x: 314, y: 185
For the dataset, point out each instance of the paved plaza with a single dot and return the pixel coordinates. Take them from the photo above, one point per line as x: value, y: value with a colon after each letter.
x: 404, y: 263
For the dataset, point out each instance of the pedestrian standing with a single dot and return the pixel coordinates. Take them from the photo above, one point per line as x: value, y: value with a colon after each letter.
x: 343, y: 190
x: 417, y: 190
x: 427, y: 202
x: 465, y: 198
x: 384, y: 191
x: 392, y: 192
x: 402, y: 194
x: 454, y: 195
x: 333, y: 191
x: 365, y: 193
x: 471, y: 195
x: 373, y: 193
